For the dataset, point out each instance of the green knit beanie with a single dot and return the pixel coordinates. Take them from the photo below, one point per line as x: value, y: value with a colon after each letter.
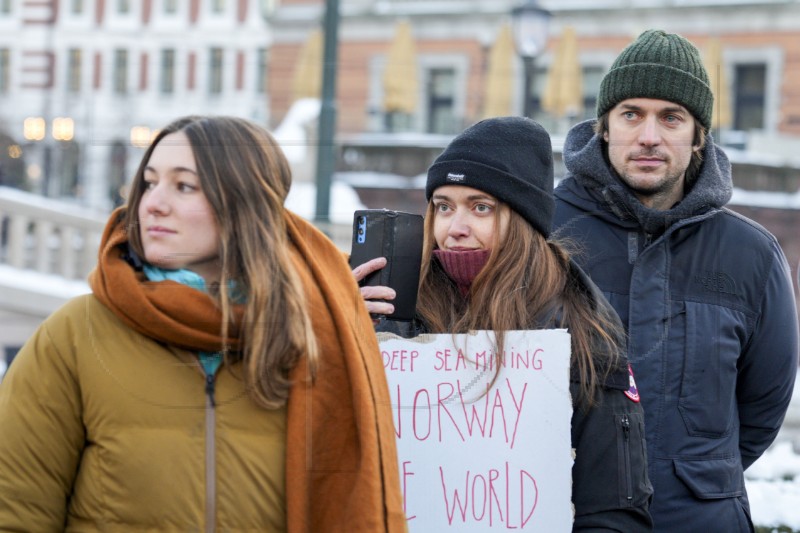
x: 659, y: 65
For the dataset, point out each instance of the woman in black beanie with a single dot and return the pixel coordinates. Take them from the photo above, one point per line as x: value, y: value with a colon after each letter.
x: 488, y: 265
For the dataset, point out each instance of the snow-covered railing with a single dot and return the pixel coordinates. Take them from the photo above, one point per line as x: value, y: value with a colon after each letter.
x: 48, y: 236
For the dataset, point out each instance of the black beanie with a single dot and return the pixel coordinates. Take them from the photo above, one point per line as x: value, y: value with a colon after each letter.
x: 659, y: 65
x: 508, y: 157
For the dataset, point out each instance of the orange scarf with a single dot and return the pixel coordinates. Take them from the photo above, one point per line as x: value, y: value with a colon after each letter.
x: 167, y: 311
x: 341, y: 456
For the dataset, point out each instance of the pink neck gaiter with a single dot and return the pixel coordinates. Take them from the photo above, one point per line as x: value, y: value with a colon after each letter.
x: 462, y: 267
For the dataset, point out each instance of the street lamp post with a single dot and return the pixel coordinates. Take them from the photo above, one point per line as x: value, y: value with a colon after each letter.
x: 530, y: 22
x: 327, y: 114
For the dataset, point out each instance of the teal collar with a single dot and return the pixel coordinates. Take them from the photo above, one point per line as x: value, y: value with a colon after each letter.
x: 210, y: 361
x: 182, y: 276
x: 190, y: 279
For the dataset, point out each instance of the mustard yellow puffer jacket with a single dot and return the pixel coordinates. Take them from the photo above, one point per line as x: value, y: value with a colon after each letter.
x: 89, y: 391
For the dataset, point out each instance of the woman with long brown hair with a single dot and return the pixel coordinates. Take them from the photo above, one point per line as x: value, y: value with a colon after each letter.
x: 222, y: 375
x: 488, y: 265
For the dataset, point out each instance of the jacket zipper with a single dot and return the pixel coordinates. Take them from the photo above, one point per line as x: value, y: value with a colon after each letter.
x: 211, y: 464
x: 626, y: 435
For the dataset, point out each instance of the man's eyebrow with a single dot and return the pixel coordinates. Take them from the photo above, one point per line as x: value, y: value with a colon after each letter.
x: 668, y: 109
x: 674, y: 109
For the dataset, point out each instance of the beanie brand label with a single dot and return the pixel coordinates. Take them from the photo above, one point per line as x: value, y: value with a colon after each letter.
x: 452, y: 176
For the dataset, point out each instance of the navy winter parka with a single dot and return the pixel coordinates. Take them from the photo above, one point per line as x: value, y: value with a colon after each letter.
x: 707, y: 300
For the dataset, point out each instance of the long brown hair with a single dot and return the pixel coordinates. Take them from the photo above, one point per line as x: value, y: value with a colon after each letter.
x: 527, y: 283
x: 246, y: 178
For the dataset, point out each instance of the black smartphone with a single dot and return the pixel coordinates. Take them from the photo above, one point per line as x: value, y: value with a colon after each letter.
x: 397, y: 236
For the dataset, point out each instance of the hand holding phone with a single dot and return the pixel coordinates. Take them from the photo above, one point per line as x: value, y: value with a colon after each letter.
x: 397, y: 236
x: 379, y: 299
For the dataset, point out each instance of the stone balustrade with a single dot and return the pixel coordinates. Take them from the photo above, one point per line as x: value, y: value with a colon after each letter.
x: 48, y: 236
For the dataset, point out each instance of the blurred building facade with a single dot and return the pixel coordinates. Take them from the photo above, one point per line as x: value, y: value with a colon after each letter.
x: 752, y: 48
x: 84, y: 84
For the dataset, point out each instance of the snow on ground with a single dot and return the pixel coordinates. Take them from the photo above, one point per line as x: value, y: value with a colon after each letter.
x: 773, y: 487
x: 779, y: 200
x: 38, y: 283
x: 344, y: 202
x: 291, y: 134
x: 773, y: 482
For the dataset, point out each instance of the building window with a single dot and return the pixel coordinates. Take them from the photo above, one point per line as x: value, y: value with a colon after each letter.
x: 191, y: 66
x: 97, y: 75
x: 144, y: 61
x: 750, y: 89
x: 123, y: 7
x: 170, y: 6
x: 215, y: 71
x: 592, y: 76
x: 74, y: 70
x: 5, y: 68
x: 116, y: 172
x: 120, y: 71
x: 537, y: 86
x: 239, y: 70
x: 70, y: 167
x: 261, y: 71
x: 76, y: 7
x: 167, y: 81
x: 440, y: 94
x: 266, y: 7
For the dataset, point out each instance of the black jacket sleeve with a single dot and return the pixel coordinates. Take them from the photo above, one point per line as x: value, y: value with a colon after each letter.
x: 610, y: 487
x: 402, y: 328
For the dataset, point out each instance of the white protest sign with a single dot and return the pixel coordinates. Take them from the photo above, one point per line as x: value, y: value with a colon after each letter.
x: 478, y: 460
